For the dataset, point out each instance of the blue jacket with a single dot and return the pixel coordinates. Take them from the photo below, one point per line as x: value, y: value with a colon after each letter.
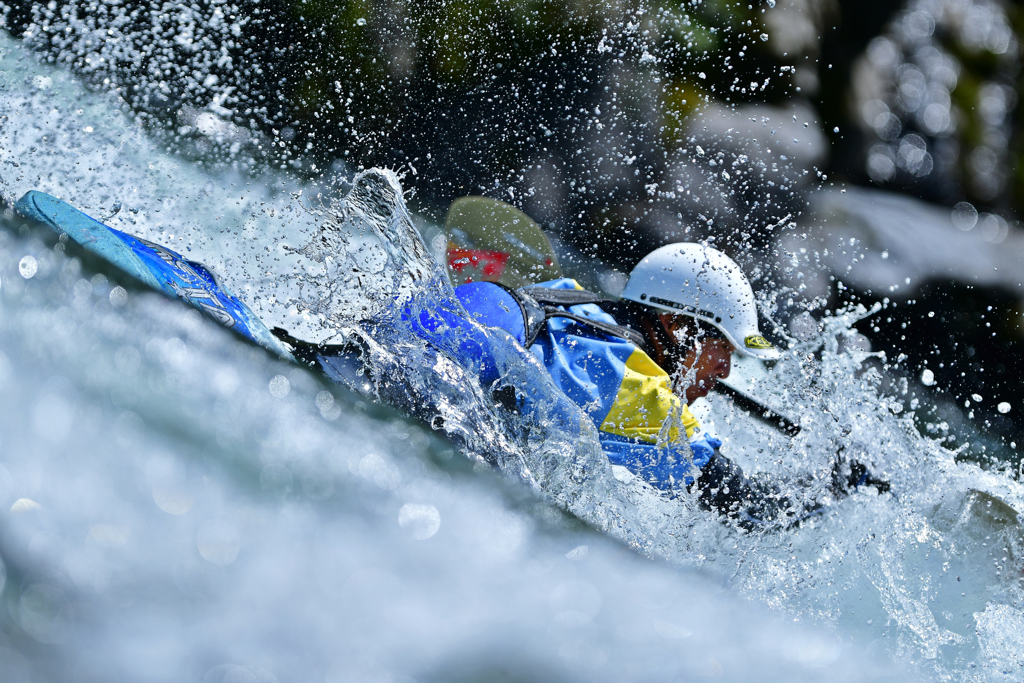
x: 641, y: 422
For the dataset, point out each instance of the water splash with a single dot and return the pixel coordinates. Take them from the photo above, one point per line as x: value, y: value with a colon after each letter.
x: 911, y: 566
x: 874, y: 563
x: 880, y: 568
x: 553, y: 447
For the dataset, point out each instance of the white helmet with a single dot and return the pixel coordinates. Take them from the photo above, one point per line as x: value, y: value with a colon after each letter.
x: 701, y: 282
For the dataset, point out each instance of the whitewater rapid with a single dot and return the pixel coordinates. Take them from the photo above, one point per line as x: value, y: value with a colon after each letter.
x: 176, y: 504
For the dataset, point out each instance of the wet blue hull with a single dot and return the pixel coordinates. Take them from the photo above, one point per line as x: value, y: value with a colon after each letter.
x: 156, y: 266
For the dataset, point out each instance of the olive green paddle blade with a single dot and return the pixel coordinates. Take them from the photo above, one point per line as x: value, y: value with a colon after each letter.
x: 489, y: 240
x: 994, y: 512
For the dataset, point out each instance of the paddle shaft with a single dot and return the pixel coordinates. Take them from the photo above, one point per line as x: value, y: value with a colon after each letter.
x: 757, y: 409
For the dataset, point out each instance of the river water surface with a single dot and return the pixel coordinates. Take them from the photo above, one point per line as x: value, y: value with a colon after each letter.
x: 177, y: 504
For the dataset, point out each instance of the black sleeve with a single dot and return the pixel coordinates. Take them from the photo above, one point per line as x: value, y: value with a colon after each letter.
x: 756, y: 504
x: 752, y: 504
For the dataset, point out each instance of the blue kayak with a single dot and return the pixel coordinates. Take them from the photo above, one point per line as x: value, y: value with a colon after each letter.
x: 158, y: 267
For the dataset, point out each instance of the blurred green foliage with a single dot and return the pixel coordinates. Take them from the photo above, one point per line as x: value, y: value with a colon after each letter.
x: 376, y: 72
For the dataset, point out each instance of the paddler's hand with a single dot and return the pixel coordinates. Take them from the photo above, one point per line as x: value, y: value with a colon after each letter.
x: 703, y: 449
x: 850, y: 475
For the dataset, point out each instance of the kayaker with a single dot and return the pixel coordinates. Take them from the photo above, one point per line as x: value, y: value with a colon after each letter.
x: 635, y: 365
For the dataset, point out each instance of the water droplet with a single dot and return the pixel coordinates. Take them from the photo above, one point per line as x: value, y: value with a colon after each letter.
x: 118, y: 296
x: 422, y: 520
x: 1003, y: 407
x: 218, y: 543
x: 764, y: 37
x: 24, y: 505
x: 280, y: 386
x: 577, y: 553
x: 927, y: 377
x: 964, y: 216
x: 976, y: 398
x: 173, y: 501
x: 360, y: 22
x: 28, y: 267
x: 380, y: 471
x: 44, y: 613
x: 324, y: 400
x: 771, y: 3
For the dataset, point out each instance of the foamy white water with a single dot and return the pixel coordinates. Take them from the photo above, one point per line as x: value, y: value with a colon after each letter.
x: 180, y: 501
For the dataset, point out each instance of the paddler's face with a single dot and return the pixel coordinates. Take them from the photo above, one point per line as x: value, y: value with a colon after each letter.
x: 703, y: 364
x: 714, y: 362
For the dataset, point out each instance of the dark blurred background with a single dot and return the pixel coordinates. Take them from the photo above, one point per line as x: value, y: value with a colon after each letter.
x: 842, y: 151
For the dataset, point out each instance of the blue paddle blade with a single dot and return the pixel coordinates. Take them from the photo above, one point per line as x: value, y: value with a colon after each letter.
x: 158, y: 267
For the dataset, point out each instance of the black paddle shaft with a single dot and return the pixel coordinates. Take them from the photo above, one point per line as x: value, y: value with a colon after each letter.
x: 746, y: 402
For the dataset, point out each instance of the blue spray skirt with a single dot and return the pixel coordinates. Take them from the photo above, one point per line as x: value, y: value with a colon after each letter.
x: 158, y: 267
